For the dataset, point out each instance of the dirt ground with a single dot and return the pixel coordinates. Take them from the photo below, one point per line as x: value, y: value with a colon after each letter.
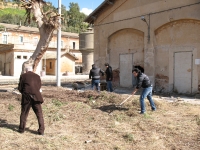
x: 91, y: 121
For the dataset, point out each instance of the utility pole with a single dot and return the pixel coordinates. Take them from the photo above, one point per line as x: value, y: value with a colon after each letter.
x: 59, y: 46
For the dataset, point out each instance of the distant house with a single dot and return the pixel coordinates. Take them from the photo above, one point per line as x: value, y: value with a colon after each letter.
x: 161, y: 36
x: 17, y: 44
x: 67, y: 63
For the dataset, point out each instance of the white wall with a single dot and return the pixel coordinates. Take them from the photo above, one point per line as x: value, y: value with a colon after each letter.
x: 19, y: 59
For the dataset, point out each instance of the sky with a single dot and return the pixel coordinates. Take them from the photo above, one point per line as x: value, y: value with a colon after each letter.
x: 86, y: 6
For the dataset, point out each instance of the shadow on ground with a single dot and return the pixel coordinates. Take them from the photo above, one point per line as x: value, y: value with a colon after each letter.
x: 14, y: 127
x: 110, y: 108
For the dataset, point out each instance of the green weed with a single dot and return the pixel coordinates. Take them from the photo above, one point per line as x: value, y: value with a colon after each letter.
x: 147, y: 116
x: 57, y: 103
x: 120, y: 118
x: 198, y: 119
x: 91, y: 98
x: 10, y: 107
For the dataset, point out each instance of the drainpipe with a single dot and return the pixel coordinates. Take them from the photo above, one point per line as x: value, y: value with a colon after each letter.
x: 148, y: 25
x: 149, y: 30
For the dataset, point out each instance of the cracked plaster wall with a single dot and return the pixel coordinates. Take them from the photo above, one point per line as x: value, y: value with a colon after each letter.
x: 170, y: 31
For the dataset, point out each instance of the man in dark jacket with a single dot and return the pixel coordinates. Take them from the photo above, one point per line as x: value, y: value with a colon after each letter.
x: 95, y: 76
x: 109, y: 77
x: 145, y: 83
x: 30, y: 86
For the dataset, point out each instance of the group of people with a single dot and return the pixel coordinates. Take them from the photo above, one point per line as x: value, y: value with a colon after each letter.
x: 30, y: 88
x: 143, y: 82
x: 95, y: 76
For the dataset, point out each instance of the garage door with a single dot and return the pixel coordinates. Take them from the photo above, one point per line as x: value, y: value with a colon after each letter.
x: 183, y: 72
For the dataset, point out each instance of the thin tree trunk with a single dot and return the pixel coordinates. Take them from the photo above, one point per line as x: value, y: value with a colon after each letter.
x: 46, y: 26
x: 42, y: 46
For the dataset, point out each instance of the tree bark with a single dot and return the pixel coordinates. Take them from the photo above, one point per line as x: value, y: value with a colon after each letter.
x: 47, y: 23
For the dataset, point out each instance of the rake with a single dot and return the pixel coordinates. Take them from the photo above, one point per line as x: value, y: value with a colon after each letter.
x: 123, y: 102
x: 118, y: 106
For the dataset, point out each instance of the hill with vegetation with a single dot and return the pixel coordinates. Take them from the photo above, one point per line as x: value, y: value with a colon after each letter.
x: 12, y: 16
x: 72, y: 19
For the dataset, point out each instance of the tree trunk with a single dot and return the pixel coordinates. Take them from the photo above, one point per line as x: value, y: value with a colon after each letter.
x: 46, y: 25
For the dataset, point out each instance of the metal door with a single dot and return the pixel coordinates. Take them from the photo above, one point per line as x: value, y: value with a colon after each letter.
x: 183, y: 72
x: 126, y: 65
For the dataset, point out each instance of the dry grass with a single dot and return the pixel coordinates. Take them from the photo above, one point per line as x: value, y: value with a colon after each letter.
x: 90, y: 121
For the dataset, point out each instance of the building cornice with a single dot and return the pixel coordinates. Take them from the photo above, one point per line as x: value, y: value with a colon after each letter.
x: 34, y: 30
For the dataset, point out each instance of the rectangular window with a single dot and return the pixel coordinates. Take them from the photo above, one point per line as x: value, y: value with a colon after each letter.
x: 50, y: 65
x: 18, y: 57
x: 35, y: 41
x: 21, y: 39
x: 74, y: 45
x: 61, y: 44
x: 24, y: 57
x: 5, y: 39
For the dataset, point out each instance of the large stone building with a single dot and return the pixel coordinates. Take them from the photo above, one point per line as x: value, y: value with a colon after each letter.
x: 17, y: 44
x: 162, y: 36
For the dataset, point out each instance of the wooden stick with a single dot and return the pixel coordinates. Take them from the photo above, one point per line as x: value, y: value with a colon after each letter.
x: 124, y: 100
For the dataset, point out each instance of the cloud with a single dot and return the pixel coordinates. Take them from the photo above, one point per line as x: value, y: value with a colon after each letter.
x: 86, y: 11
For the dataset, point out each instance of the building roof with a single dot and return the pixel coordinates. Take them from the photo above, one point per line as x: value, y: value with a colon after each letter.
x: 54, y: 55
x: 12, y: 27
x: 91, y: 18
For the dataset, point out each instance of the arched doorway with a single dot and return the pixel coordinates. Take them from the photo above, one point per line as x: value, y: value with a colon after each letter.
x: 175, y: 52
x: 125, y: 50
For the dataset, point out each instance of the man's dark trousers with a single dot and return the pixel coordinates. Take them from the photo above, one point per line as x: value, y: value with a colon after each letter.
x: 27, y: 103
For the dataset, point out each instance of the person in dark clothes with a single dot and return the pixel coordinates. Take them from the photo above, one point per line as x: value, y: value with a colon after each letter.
x: 145, y: 83
x: 29, y: 86
x: 95, y: 76
x: 109, y: 77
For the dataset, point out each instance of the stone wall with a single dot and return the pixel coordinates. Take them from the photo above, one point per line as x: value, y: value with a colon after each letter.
x: 168, y: 28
